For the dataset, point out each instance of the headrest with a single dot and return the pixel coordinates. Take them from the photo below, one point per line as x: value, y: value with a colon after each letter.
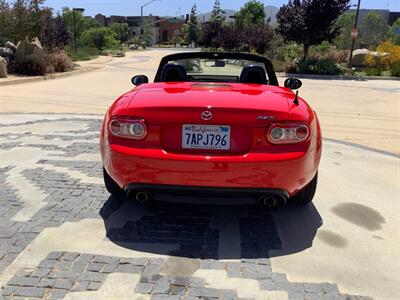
x: 253, y: 74
x: 173, y: 73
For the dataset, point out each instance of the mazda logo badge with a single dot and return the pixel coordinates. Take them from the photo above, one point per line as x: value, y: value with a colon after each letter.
x: 206, y: 115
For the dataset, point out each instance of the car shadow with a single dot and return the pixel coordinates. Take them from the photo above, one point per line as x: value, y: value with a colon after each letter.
x: 209, y: 231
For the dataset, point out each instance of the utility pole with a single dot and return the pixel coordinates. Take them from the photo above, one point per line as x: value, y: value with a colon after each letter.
x: 354, y: 32
x: 81, y: 10
x: 141, y: 18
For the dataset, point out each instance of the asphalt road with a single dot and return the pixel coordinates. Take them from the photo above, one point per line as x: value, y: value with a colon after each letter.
x: 63, y: 237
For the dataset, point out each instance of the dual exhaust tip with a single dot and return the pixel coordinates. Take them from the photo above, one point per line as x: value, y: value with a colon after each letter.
x: 267, y: 201
x: 141, y: 196
x: 272, y: 201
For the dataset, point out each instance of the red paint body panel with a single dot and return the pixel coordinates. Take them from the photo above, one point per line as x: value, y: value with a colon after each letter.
x: 252, y: 162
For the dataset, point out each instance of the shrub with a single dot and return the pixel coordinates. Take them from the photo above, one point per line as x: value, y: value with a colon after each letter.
x: 100, y: 38
x: 289, y: 52
x: 395, y: 69
x: 373, y: 71
x: 375, y: 64
x: 318, y: 66
x: 60, y: 61
x: 84, y: 53
x: 33, y: 64
x: 394, y: 53
x: 327, y: 51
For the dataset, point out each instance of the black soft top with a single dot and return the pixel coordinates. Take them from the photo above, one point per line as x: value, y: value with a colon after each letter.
x: 219, y: 55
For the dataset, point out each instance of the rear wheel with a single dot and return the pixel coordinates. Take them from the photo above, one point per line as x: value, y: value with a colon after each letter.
x: 111, y: 186
x: 306, y: 195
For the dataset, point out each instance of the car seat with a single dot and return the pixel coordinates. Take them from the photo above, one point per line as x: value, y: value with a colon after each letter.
x: 174, y: 73
x: 253, y: 74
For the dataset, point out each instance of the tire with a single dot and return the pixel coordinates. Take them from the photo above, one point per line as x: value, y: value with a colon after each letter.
x: 111, y: 186
x: 306, y: 195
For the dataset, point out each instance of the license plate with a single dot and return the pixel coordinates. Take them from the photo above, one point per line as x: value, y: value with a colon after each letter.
x: 216, y: 137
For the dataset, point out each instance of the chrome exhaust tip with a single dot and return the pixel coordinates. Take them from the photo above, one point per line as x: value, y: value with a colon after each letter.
x: 272, y: 201
x: 143, y: 196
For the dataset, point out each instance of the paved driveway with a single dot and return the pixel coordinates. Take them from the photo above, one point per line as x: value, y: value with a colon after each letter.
x: 63, y: 237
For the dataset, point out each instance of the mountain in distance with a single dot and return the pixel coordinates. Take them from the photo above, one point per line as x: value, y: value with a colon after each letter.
x: 270, y: 12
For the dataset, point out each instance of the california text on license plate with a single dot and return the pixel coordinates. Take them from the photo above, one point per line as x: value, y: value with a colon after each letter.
x: 217, y: 137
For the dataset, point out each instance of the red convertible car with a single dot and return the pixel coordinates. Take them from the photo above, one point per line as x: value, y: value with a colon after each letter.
x: 213, y: 127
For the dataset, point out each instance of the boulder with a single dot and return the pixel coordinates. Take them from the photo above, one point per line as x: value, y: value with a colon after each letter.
x: 11, y: 46
x: 133, y: 47
x: 25, y: 48
x: 3, y: 68
x: 6, y: 52
x: 360, y: 54
x: 36, y: 42
x: 359, y: 57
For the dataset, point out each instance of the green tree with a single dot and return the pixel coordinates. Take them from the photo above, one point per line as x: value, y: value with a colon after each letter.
x: 55, y: 33
x: 148, y: 31
x: 5, y: 20
x: 82, y: 22
x: 392, y: 35
x: 101, y: 37
x: 24, y: 18
x: 346, y: 23
x: 193, y: 30
x: 121, y: 31
x: 216, y: 14
x: 251, y: 13
x: 310, y: 22
x: 373, y: 30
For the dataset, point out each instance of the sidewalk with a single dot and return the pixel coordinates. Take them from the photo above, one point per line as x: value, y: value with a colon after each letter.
x: 80, y: 67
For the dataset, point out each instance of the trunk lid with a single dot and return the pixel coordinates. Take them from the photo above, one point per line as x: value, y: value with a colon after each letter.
x: 242, y: 107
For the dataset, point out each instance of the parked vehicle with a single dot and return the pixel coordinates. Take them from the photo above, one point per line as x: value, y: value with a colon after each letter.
x: 224, y: 131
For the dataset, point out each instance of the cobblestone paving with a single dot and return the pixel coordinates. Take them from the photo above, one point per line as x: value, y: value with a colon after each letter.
x: 71, y: 199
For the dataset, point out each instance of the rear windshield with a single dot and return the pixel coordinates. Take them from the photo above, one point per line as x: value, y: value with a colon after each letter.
x: 220, y: 70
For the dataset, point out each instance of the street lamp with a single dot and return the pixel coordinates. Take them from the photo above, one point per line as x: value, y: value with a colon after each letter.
x: 81, y: 10
x: 141, y: 18
x: 354, y: 32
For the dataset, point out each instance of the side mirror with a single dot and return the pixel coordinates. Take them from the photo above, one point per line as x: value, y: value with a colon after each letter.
x: 293, y: 83
x: 139, y: 79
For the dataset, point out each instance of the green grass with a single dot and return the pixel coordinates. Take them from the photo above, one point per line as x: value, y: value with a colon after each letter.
x: 83, y: 53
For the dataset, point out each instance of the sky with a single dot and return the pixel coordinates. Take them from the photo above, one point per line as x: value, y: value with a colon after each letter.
x: 173, y: 7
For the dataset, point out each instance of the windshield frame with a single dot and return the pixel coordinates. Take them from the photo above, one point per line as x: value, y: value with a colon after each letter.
x: 219, y: 55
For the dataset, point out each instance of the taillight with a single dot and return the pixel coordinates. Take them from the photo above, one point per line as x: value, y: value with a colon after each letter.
x: 127, y: 128
x: 288, y: 133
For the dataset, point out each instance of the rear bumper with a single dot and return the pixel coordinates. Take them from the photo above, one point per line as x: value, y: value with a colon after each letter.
x: 287, y: 172
x: 213, y: 195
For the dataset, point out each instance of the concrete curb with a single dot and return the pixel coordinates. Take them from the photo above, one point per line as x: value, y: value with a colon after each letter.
x: 47, y: 77
x: 55, y: 75
x: 337, y: 77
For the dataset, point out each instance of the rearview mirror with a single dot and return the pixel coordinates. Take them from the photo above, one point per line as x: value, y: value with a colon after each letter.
x: 139, y: 79
x: 293, y: 83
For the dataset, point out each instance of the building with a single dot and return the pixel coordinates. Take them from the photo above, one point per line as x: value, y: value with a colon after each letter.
x: 168, y: 27
x: 150, y: 26
x: 101, y: 19
x: 389, y: 16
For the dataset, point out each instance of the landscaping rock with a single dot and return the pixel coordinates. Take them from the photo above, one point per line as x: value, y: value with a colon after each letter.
x: 360, y: 54
x: 6, y: 52
x: 36, y: 42
x: 11, y: 46
x: 25, y: 48
x: 3, y: 68
x: 359, y: 57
